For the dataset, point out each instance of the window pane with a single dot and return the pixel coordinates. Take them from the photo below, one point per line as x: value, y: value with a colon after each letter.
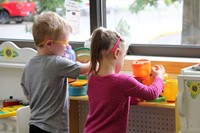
x: 19, y: 27
x: 159, y: 24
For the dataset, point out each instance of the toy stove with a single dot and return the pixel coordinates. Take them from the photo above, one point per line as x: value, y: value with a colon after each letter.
x: 12, y: 62
x: 188, y: 99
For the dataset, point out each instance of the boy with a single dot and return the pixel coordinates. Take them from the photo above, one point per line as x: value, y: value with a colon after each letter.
x: 44, y: 79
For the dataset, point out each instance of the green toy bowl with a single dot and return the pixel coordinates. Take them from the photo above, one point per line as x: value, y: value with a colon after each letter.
x: 82, y: 54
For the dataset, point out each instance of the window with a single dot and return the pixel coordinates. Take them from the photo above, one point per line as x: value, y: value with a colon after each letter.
x: 171, y: 30
x: 22, y: 30
x: 152, y: 25
x: 162, y: 29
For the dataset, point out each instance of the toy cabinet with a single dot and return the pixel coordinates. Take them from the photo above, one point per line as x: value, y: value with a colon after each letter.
x: 12, y: 62
x: 146, y: 117
x: 188, y: 99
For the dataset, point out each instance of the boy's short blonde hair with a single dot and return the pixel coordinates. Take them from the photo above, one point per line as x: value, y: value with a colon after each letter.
x: 49, y: 25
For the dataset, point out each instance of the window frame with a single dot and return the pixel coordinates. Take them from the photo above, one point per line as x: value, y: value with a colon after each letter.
x: 98, y: 18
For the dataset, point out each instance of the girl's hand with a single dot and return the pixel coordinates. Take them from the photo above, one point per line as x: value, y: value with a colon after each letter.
x: 158, y: 71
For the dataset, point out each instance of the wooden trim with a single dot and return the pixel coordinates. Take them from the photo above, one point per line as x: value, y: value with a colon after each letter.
x: 73, y: 117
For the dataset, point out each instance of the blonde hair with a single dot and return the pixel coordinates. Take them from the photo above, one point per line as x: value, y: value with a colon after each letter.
x: 51, y: 25
x: 102, y: 40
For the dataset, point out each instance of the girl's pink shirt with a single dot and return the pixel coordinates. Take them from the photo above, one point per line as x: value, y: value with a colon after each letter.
x: 109, y: 101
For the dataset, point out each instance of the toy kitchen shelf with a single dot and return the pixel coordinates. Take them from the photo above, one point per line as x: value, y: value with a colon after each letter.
x: 156, y: 117
x: 12, y: 65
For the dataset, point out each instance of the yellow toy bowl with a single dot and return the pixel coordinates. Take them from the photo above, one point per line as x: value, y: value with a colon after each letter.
x: 78, y: 83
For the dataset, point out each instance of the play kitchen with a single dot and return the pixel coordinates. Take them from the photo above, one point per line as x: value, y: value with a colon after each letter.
x: 12, y: 62
x: 143, y: 115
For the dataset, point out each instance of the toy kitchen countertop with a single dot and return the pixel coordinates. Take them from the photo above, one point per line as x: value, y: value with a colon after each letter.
x: 149, y: 104
x: 9, y: 111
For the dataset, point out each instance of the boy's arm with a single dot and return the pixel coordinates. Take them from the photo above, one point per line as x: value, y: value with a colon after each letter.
x: 25, y: 91
x: 84, y: 67
x: 27, y: 97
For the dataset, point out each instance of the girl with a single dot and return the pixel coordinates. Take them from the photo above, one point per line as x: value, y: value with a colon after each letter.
x: 109, y: 92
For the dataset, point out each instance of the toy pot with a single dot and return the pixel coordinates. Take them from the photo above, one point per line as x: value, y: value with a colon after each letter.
x: 141, y: 68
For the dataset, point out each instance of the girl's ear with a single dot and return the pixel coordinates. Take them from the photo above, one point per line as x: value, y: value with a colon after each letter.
x: 116, y: 53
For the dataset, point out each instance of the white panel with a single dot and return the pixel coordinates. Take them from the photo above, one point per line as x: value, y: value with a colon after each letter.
x: 23, y: 116
x: 10, y: 84
x: 12, y: 62
x: 8, y: 125
x: 188, y: 102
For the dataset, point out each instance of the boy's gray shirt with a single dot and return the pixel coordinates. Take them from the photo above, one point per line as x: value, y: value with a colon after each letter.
x: 44, y: 82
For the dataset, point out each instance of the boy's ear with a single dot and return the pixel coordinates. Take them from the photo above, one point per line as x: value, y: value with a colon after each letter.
x: 48, y: 43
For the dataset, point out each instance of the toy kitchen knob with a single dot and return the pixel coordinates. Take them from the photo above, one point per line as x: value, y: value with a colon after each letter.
x: 3, y: 126
x: 11, y: 128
